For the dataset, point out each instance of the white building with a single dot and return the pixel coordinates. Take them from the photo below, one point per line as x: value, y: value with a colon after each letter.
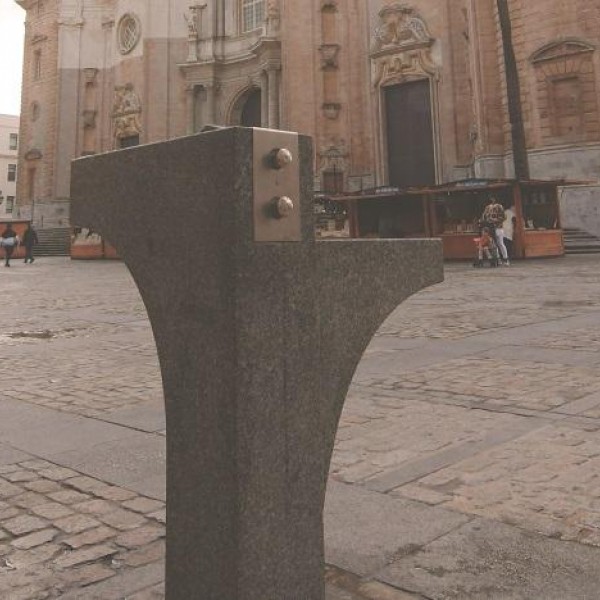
x: 9, y: 150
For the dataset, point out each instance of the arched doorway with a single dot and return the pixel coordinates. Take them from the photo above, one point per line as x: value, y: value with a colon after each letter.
x: 251, y: 112
x: 247, y: 109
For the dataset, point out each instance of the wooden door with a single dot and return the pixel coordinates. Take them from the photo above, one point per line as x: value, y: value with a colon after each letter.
x: 410, y: 146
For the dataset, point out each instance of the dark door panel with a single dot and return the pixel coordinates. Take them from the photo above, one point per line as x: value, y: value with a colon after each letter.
x: 411, y: 158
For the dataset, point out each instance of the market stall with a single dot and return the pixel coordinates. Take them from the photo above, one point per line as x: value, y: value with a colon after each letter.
x: 452, y: 213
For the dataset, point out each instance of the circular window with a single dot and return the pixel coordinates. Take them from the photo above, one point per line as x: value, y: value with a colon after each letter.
x: 128, y: 33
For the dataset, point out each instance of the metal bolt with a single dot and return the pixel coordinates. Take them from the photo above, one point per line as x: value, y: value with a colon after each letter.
x: 284, y: 206
x: 280, y: 158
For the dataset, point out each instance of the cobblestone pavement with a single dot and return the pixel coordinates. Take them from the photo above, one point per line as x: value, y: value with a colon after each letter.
x: 478, y: 400
x: 60, y: 529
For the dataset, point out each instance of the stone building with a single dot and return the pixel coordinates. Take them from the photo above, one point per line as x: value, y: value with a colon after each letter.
x: 9, y: 144
x: 393, y: 93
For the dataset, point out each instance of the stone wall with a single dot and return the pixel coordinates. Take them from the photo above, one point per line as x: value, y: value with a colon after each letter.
x: 580, y: 208
x: 40, y: 98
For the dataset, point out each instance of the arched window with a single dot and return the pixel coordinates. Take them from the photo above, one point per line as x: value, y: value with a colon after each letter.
x: 253, y: 14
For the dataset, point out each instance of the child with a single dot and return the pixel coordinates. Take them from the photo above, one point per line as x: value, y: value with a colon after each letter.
x: 484, y: 247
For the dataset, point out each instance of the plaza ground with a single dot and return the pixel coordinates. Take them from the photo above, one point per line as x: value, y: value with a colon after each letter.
x: 467, y: 463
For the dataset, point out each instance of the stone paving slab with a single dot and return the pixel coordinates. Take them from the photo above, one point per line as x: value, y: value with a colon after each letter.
x: 484, y: 560
x: 45, y: 432
x: 148, y: 416
x: 366, y: 530
x: 9, y: 455
x: 123, y: 462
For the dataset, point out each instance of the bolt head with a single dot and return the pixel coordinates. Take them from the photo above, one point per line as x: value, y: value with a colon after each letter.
x: 284, y: 206
x: 281, y: 158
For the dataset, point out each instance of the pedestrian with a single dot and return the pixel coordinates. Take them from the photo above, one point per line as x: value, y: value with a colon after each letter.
x: 494, y: 217
x: 508, y: 227
x: 9, y: 241
x: 30, y: 239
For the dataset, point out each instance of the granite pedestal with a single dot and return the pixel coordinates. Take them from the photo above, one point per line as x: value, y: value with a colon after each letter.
x: 259, y: 329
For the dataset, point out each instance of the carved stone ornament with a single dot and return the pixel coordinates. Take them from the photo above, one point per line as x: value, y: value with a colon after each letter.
x: 90, y: 75
x: 273, y: 17
x: 329, y: 6
x: 400, y: 26
x: 33, y: 154
x: 561, y: 49
x: 89, y: 119
x: 402, y: 47
x: 329, y: 56
x: 334, y: 156
x: 331, y: 110
x: 71, y: 14
x: 127, y: 109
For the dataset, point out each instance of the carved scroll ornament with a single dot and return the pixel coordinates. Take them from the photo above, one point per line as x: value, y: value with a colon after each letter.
x: 127, y: 109
x: 402, y: 46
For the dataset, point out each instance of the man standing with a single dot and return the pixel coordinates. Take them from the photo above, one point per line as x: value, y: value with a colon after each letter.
x: 9, y: 241
x: 494, y: 216
x: 30, y: 239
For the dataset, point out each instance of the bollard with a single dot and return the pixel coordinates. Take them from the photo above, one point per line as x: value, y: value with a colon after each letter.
x: 259, y: 329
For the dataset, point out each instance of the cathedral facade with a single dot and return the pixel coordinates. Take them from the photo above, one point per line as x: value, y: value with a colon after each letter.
x: 393, y: 93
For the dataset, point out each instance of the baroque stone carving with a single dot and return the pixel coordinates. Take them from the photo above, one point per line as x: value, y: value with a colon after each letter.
x: 273, y: 17
x: 89, y: 119
x: 72, y: 14
x: 90, y: 75
x: 402, y: 47
x: 331, y: 110
x: 334, y: 156
x: 329, y: 56
x: 127, y: 109
x: 400, y: 26
x: 194, y: 25
x: 561, y: 49
x: 33, y: 154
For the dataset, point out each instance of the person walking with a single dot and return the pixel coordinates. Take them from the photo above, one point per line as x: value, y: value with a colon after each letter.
x: 9, y: 242
x: 30, y: 239
x: 494, y: 216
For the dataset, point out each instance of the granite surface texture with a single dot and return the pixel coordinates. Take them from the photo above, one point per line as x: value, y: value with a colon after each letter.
x: 257, y: 342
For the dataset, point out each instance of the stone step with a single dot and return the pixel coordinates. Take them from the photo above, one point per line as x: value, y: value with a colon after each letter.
x: 582, y: 235
x: 583, y: 250
x: 578, y: 241
x: 54, y: 241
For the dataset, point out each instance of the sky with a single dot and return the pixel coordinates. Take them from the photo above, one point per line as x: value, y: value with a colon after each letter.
x: 12, y: 31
